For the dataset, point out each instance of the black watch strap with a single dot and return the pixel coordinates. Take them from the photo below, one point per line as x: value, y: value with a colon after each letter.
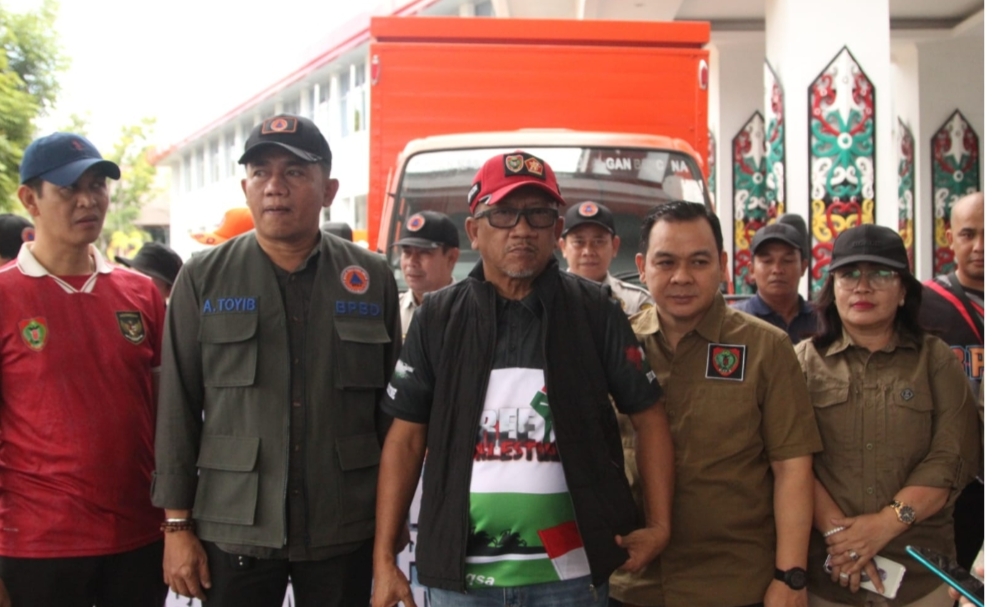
x: 795, y: 578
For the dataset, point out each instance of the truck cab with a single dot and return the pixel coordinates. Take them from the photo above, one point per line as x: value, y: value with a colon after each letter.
x: 628, y: 173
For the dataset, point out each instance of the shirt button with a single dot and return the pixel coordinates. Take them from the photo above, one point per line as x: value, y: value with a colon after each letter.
x: 297, y: 447
x: 295, y: 492
x: 870, y: 491
x: 870, y: 446
x: 297, y: 403
x: 297, y: 361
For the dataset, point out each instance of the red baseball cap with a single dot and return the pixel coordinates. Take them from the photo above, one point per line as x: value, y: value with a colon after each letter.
x: 505, y: 173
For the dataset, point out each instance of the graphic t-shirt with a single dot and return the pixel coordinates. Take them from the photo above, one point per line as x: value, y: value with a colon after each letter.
x: 522, y: 528
x: 944, y: 314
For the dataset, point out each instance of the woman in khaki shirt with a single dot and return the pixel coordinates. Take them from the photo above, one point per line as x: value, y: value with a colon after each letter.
x: 898, y: 425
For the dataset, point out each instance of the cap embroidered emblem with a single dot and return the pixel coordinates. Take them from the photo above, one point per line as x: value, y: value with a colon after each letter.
x: 415, y: 223
x: 34, y: 332
x: 77, y: 145
x: 131, y: 326
x: 513, y: 163
x: 356, y: 280
x: 588, y: 209
x: 280, y: 124
x: 534, y: 166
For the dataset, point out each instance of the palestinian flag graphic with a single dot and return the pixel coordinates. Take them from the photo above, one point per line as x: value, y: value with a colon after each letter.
x: 522, y: 528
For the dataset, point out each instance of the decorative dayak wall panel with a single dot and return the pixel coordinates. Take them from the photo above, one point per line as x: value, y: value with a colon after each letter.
x: 955, y: 174
x: 749, y: 202
x: 841, y: 157
x: 907, y: 190
x: 711, y: 166
x: 774, y: 149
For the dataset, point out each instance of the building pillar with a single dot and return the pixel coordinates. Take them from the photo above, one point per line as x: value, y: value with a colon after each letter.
x: 736, y: 94
x: 849, y: 176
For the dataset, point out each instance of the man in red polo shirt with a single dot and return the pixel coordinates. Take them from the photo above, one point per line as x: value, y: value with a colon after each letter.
x: 79, y: 350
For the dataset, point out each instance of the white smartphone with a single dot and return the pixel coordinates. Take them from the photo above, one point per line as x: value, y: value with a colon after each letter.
x: 890, y: 572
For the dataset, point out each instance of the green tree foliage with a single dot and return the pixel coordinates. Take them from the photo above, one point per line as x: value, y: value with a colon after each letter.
x: 132, y: 153
x: 30, y: 65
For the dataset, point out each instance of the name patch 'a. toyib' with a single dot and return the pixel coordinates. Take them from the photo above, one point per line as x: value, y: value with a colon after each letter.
x: 726, y: 361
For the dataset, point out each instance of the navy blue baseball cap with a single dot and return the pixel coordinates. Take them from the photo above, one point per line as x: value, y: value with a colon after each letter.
x: 61, y: 158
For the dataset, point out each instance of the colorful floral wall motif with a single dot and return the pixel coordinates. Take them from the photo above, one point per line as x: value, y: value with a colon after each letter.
x: 954, y: 150
x: 841, y: 158
x: 749, y: 199
x: 711, y: 166
x: 774, y: 140
x: 907, y: 190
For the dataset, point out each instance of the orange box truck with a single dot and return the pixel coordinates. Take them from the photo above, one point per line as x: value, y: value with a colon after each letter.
x: 618, y: 109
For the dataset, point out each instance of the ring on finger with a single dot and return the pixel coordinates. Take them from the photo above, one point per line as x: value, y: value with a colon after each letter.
x: 844, y: 576
x: 854, y: 556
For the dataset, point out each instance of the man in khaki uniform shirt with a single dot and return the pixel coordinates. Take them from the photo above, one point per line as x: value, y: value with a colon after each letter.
x: 429, y: 249
x: 743, y: 429
x: 589, y: 243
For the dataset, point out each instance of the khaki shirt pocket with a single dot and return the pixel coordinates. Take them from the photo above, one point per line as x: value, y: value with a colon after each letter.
x: 359, y: 363
x: 228, y: 486
x: 358, y: 459
x: 837, y: 419
x: 229, y: 349
x: 909, y: 425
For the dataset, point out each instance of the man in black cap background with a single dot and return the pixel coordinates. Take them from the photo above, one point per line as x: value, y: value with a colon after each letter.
x: 278, y: 346
x: 589, y: 243
x: 79, y: 359
x: 429, y: 250
x: 14, y: 231
x: 158, y: 262
x: 777, y: 266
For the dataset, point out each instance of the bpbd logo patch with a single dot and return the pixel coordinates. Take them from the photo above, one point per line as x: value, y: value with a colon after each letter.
x: 726, y: 361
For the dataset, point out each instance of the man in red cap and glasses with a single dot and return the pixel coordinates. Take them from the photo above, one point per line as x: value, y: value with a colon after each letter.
x: 515, y: 505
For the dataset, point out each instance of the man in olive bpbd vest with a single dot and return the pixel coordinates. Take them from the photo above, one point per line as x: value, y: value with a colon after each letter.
x: 278, y: 346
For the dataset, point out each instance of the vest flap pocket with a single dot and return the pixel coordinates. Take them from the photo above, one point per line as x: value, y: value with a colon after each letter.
x: 229, y: 349
x: 356, y: 452
x: 228, y: 328
x: 359, y: 360
x: 362, y: 331
x: 231, y: 453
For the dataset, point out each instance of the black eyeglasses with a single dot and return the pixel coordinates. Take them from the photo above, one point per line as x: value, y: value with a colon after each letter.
x: 538, y: 217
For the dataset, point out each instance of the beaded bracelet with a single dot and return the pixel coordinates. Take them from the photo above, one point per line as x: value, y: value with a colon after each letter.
x: 832, y: 531
x: 172, y: 525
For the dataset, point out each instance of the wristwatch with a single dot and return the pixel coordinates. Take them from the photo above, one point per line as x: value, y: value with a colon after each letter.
x: 795, y: 578
x: 906, y: 514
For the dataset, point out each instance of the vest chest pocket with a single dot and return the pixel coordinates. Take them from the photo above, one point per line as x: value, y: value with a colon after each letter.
x: 229, y: 349
x: 359, y: 359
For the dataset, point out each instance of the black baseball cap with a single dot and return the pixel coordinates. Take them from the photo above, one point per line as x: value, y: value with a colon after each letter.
x: 870, y: 243
x: 794, y: 220
x: 588, y: 212
x: 12, y: 234
x: 780, y: 232
x: 60, y: 158
x: 429, y: 230
x: 154, y: 259
x: 296, y: 134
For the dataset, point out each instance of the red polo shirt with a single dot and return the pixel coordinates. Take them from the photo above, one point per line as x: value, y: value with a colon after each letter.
x: 77, y: 409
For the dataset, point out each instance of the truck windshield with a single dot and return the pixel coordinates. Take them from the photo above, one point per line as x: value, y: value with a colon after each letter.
x: 629, y: 181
